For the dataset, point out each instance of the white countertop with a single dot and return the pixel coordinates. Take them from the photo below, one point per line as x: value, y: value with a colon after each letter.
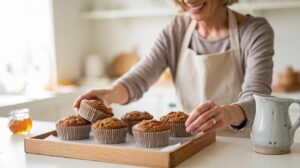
x: 226, y: 152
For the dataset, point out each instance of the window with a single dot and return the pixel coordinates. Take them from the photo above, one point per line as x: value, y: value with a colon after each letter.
x: 26, y: 46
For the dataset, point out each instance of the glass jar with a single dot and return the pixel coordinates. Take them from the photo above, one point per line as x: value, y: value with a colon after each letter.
x: 20, y: 121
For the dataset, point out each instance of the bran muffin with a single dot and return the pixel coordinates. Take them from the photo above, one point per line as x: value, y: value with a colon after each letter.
x: 176, y: 120
x: 73, y: 128
x: 151, y: 134
x: 135, y: 117
x: 110, y: 130
x: 93, y: 110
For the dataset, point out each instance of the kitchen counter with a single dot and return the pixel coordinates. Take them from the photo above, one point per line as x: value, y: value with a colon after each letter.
x: 226, y: 152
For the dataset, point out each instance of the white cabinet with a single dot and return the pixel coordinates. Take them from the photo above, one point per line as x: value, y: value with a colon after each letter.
x: 156, y: 101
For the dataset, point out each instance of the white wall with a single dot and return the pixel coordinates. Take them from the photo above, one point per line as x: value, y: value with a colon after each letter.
x: 72, y: 37
x: 76, y: 37
x: 114, y: 36
x: 111, y: 37
x: 286, y: 24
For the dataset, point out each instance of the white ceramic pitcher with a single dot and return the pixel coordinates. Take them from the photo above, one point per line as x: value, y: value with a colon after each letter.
x: 272, y: 130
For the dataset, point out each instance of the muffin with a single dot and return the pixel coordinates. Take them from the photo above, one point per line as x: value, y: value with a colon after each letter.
x: 110, y: 130
x: 73, y: 128
x: 93, y: 110
x: 151, y: 134
x: 176, y: 120
x: 135, y: 117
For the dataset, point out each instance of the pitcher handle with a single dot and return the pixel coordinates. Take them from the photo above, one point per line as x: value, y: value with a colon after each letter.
x: 296, y: 124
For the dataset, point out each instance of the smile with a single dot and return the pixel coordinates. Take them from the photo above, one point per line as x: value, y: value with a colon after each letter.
x: 196, y: 8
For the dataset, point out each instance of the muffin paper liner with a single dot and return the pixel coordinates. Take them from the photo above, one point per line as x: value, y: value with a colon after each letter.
x: 178, y: 130
x: 152, y: 139
x: 110, y: 136
x: 130, y: 125
x: 91, y: 114
x: 73, y: 132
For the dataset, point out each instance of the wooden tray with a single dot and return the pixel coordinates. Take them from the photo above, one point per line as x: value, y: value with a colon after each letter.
x: 116, y: 154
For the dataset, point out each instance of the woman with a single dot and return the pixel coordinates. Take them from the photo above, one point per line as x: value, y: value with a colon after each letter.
x: 218, y: 59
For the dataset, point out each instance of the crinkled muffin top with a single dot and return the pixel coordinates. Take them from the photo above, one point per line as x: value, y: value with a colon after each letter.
x: 109, y: 123
x: 99, y: 105
x: 137, y: 116
x: 151, y: 126
x: 72, y: 120
x: 175, y: 117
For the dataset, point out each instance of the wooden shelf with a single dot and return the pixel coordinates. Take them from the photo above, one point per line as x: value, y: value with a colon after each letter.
x: 159, y: 12
x: 261, y: 6
x: 129, y: 13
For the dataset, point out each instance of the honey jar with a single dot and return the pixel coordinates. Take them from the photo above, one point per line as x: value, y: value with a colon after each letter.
x: 20, y: 121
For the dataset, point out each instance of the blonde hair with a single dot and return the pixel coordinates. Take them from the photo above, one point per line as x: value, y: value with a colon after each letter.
x: 181, y: 8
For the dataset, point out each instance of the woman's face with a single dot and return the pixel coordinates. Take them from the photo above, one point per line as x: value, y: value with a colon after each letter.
x: 201, y: 9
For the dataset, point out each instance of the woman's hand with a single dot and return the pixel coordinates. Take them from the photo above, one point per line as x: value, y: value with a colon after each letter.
x: 209, y: 117
x: 117, y: 94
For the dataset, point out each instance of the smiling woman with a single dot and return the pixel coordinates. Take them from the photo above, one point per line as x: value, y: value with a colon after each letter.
x: 218, y: 59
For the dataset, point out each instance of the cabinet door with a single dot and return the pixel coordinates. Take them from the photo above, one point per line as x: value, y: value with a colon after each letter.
x: 156, y: 102
x: 65, y: 104
x: 43, y: 110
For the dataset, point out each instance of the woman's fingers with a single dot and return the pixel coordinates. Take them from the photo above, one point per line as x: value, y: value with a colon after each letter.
x: 93, y: 94
x: 209, y: 124
x: 215, y: 127
x: 76, y: 103
x: 106, y: 103
x: 76, y: 110
x: 202, y: 108
x: 101, y: 95
x: 218, y: 125
x: 202, y: 119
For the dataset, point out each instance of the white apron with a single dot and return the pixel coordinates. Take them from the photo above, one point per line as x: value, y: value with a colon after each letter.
x: 216, y: 77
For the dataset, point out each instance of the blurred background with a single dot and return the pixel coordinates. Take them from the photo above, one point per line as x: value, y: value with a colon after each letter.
x: 51, y: 51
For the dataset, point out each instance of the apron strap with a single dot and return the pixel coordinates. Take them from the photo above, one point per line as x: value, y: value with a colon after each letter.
x: 189, y: 33
x: 235, y: 40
